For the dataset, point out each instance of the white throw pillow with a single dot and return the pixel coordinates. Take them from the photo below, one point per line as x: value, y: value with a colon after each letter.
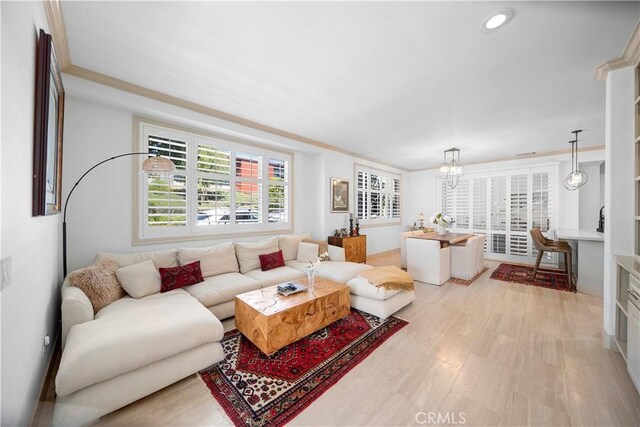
x: 214, y: 260
x: 289, y: 245
x: 139, y: 280
x: 308, y: 252
x: 248, y: 253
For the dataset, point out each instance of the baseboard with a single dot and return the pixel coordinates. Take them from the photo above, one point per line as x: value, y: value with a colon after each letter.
x: 43, y: 414
x: 389, y: 252
x: 608, y: 342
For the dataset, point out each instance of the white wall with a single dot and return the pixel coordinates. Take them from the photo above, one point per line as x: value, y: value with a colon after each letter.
x: 99, y: 124
x: 591, y: 196
x: 0, y: 206
x: 30, y: 305
x: 422, y: 192
x: 619, y: 173
x: 379, y: 239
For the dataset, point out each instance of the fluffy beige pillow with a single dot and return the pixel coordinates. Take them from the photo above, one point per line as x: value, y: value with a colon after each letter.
x: 308, y: 252
x: 248, y: 252
x: 214, y: 260
x: 140, y: 280
x: 289, y: 245
x: 99, y: 283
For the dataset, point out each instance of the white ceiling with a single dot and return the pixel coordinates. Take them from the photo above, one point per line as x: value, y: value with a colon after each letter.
x: 398, y: 82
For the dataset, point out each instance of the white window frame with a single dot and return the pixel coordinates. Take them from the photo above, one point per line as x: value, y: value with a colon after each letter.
x: 551, y: 168
x: 369, y: 222
x: 144, y: 234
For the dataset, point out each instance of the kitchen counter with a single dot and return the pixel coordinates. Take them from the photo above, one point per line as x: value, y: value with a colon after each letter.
x: 579, y: 234
x: 588, y: 258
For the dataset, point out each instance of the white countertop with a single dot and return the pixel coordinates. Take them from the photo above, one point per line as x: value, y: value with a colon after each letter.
x: 579, y: 234
x: 631, y: 263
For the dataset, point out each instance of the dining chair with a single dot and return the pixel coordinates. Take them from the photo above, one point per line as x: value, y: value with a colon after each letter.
x: 428, y: 262
x: 403, y: 245
x: 464, y: 259
x: 480, y: 252
x: 542, y: 244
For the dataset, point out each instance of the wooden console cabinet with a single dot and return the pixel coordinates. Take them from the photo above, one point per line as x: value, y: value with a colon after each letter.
x: 355, y: 247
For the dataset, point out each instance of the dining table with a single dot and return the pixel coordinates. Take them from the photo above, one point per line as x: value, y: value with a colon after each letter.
x: 428, y: 256
x: 445, y: 239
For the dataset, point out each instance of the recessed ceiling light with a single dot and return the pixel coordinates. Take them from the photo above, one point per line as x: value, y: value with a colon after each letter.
x: 496, y: 20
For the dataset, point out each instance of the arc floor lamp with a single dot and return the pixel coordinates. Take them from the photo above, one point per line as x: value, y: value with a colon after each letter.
x: 154, y: 165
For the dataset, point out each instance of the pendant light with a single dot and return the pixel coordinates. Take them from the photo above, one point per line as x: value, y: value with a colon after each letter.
x: 576, y: 178
x: 451, y: 170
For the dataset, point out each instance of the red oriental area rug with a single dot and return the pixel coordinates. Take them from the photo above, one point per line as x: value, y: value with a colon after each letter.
x: 259, y: 390
x: 545, y: 278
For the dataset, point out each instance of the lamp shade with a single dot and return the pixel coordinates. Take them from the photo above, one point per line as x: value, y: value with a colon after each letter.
x: 158, y: 166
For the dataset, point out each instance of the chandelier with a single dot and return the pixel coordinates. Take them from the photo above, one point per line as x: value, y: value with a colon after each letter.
x: 451, y: 170
x: 576, y: 178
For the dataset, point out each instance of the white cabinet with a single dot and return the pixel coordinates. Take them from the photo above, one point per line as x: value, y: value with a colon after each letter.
x: 627, y: 326
x: 633, y: 340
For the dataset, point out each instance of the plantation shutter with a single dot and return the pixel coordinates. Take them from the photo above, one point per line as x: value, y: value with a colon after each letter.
x: 518, y: 213
x: 480, y: 204
x: 541, y: 201
x: 214, y: 186
x: 462, y: 205
x: 278, y: 190
x: 363, y: 195
x: 166, y: 197
x: 378, y: 195
x: 498, y: 225
x: 446, y: 200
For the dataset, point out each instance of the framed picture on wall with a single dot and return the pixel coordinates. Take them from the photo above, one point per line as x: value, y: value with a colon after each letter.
x: 339, y: 195
x: 49, y: 119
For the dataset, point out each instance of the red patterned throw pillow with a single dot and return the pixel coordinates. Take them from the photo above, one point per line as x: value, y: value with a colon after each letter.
x: 178, y: 277
x: 271, y: 261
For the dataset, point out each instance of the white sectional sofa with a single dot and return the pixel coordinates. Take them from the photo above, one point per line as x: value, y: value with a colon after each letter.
x: 136, y: 346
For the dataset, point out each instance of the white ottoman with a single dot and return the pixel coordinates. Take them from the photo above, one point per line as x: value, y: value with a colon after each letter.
x: 377, y: 300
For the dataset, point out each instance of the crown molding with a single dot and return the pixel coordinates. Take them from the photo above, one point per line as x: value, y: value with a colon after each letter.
x: 533, y: 156
x: 631, y: 56
x: 53, y: 10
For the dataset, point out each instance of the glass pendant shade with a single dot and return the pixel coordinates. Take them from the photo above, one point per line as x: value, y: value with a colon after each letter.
x: 158, y: 166
x: 451, y: 170
x: 576, y: 177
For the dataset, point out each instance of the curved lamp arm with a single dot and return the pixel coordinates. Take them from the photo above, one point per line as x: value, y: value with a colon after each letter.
x: 66, y: 202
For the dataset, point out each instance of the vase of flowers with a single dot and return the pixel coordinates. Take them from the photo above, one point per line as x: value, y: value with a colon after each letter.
x: 441, y: 221
x: 311, y: 278
x: 312, y: 270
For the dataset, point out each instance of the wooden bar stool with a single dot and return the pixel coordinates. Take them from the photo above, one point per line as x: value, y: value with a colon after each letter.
x: 542, y: 244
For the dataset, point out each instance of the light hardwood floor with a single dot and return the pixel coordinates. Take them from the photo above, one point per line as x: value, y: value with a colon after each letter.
x: 494, y: 353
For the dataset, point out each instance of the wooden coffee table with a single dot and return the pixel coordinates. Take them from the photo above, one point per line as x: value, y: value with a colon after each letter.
x: 272, y: 321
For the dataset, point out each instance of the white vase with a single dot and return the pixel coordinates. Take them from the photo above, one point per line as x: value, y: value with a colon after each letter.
x: 311, y: 279
x: 441, y: 229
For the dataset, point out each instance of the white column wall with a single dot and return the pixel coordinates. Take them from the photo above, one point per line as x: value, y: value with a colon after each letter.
x: 619, y: 174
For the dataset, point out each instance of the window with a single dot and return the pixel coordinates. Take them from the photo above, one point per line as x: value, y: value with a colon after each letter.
x: 504, y: 205
x: 378, y: 196
x: 220, y: 187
